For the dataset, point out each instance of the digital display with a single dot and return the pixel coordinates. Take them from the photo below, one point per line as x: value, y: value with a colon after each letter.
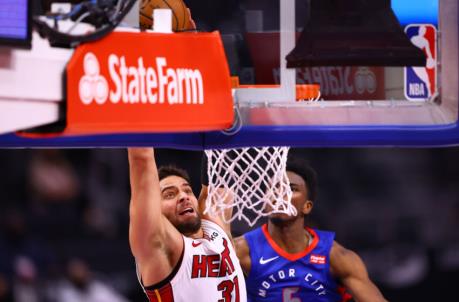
x: 15, y: 22
x: 416, y: 12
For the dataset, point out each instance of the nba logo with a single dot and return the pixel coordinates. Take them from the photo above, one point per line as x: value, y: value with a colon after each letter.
x: 421, y: 81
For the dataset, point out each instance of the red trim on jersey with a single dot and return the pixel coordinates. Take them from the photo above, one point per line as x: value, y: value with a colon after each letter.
x: 287, y: 255
x: 345, y: 296
x: 164, y: 294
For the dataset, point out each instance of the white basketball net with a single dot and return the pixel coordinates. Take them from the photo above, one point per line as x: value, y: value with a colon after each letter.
x: 253, y: 179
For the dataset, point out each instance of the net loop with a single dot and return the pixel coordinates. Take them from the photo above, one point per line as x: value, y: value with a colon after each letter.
x: 252, y: 182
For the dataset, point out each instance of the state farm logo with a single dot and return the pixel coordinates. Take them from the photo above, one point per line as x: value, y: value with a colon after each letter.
x: 139, y: 83
x: 365, y: 80
x: 92, y: 85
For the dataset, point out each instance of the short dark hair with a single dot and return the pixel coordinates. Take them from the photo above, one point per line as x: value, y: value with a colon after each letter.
x: 171, y: 170
x: 302, y: 168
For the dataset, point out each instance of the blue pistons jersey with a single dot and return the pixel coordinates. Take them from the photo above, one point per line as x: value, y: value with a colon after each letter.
x: 277, y: 276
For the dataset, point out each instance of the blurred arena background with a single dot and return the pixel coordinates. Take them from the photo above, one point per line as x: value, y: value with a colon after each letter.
x: 63, y: 211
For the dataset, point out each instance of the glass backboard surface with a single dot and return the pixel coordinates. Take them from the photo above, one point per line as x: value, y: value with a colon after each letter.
x: 15, y: 22
x: 390, y: 104
x: 384, y: 91
x: 252, y: 30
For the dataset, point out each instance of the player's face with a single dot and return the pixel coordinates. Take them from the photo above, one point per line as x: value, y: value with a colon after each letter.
x: 179, y: 204
x: 299, y: 198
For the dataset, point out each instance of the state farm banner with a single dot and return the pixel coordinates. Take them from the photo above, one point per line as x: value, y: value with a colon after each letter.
x: 336, y: 82
x: 149, y: 82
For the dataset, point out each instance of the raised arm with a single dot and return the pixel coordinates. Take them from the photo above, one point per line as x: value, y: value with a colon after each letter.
x: 218, y: 219
x: 348, y: 267
x: 155, y: 243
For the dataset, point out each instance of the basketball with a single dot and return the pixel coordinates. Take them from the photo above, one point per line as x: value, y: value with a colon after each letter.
x: 180, y: 13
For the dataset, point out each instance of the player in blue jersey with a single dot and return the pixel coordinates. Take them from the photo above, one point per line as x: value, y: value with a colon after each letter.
x: 285, y: 262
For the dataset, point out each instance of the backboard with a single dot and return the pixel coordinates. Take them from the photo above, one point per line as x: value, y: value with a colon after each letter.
x: 384, y: 102
x: 377, y: 100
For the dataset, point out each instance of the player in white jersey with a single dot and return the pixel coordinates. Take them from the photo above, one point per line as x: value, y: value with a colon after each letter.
x: 179, y: 256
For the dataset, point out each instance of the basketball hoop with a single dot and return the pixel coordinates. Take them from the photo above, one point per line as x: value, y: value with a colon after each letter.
x: 253, y: 179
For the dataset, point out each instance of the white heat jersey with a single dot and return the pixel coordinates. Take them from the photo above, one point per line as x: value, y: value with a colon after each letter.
x: 208, y: 272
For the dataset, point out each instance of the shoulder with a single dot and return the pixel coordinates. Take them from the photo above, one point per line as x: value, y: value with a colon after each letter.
x: 253, y: 238
x: 343, y: 261
x: 323, y: 236
x: 340, y: 254
x: 256, y: 233
x: 339, y: 251
x: 321, y: 232
x: 241, y: 245
x: 322, y: 241
x: 243, y: 253
x: 244, y: 242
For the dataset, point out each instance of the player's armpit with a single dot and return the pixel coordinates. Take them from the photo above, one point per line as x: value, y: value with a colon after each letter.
x: 162, y: 259
x: 349, y: 268
x: 243, y: 253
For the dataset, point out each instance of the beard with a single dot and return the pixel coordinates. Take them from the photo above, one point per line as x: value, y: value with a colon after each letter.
x: 189, y: 227
x: 283, y: 220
